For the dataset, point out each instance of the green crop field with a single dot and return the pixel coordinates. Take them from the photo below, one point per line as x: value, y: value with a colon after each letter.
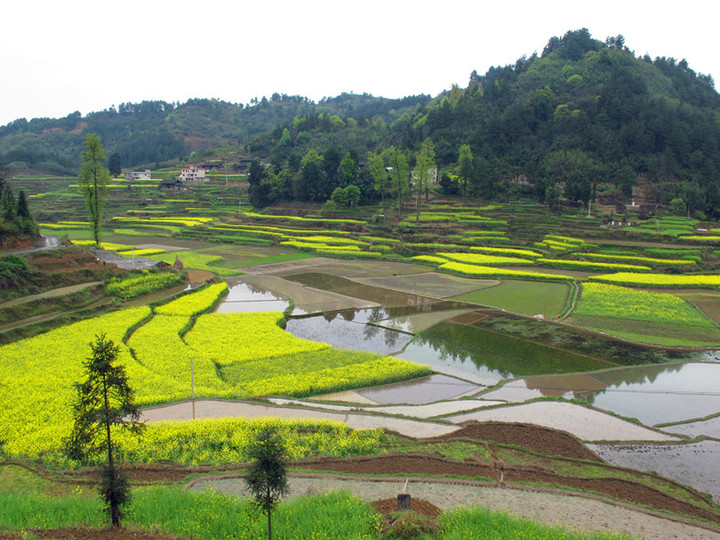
x: 260, y: 357
x: 523, y: 297
x: 649, y: 317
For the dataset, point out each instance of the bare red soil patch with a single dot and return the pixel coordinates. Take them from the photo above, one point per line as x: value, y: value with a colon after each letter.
x: 538, y: 439
x: 420, y: 506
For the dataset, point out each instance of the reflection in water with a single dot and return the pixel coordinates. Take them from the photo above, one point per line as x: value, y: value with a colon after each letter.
x: 386, y: 297
x: 419, y: 391
x: 246, y: 297
x: 585, y: 342
x: 659, y: 394
x: 345, y: 332
x: 653, y: 394
x: 491, y: 354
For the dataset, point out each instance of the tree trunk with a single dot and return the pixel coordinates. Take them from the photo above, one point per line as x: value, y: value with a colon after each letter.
x: 114, y: 509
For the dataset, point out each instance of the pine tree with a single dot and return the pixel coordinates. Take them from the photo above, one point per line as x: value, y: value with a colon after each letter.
x: 104, y: 400
x: 266, y: 478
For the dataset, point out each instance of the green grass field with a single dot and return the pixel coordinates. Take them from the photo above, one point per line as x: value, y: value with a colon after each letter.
x: 522, y: 297
x: 211, y: 515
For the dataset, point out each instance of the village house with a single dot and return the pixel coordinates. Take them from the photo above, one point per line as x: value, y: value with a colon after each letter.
x: 172, y: 184
x: 138, y: 175
x: 193, y: 174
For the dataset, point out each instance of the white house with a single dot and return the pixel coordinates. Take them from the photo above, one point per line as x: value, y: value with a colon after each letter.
x: 138, y: 175
x: 193, y: 174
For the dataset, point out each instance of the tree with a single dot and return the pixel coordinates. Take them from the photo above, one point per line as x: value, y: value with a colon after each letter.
x: 115, y: 164
x: 379, y: 174
x: 347, y: 196
x: 552, y: 197
x: 312, y: 177
x: 24, y: 218
x: 465, y: 167
x: 104, y: 400
x: 425, y: 165
x: 399, y: 174
x: 93, y: 180
x: 349, y: 170
x: 266, y: 478
x: 8, y: 205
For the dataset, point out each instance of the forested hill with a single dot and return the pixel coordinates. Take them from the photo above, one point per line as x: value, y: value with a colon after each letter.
x: 153, y: 132
x: 584, y: 114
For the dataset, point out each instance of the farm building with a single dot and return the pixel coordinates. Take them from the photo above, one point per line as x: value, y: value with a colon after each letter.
x: 172, y: 184
x: 193, y: 174
x: 138, y: 175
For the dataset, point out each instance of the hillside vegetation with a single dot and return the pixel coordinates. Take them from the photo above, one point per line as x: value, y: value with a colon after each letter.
x: 585, y: 115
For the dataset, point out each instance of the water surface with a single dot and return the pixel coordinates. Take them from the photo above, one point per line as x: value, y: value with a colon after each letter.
x: 659, y: 394
x: 348, y: 330
x: 246, y: 297
x: 492, y: 355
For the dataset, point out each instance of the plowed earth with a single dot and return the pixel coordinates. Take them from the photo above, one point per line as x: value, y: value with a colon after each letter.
x: 421, y: 506
x: 543, y: 440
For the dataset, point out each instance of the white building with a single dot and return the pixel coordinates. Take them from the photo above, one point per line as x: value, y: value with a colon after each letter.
x: 138, y: 175
x: 193, y: 174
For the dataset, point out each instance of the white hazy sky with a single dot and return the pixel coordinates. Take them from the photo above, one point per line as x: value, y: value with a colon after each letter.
x: 57, y: 57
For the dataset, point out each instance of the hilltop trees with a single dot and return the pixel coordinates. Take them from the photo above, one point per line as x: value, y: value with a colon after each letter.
x: 93, y: 180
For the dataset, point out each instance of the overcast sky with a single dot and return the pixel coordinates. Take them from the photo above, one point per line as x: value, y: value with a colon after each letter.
x: 87, y: 55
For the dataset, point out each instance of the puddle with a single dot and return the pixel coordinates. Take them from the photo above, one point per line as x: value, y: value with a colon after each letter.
x: 695, y: 464
x: 419, y: 391
x: 659, y: 394
x: 348, y: 330
x: 491, y: 355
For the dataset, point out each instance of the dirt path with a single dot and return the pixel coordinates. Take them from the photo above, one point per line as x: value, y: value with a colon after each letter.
x: 50, y: 294
x: 209, y: 408
x: 577, y: 512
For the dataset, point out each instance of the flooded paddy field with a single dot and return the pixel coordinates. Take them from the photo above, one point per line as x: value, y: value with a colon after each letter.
x: 491, y: 365
x: 709, y: 427
x: 492, y: 355
x: 430, y: 284
x: 695, y: 464
x: 420, y: 391
x: 653, y: 395
x: 349, y: 330
x: 247, y: 297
